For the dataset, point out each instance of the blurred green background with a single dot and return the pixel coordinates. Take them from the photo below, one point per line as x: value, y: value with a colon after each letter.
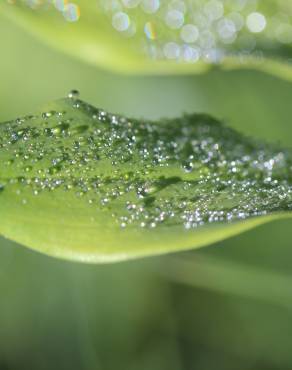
x: 227, y: 306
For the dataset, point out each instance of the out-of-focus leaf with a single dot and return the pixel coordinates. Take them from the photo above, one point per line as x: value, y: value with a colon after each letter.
x: 82, y: 184
x: 237, y: 36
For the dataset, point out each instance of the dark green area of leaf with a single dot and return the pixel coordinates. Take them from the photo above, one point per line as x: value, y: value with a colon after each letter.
x: 106, y: 185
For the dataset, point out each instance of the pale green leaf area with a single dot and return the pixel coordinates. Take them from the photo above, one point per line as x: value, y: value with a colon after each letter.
x: 86, y: 185
x: 87, y: 33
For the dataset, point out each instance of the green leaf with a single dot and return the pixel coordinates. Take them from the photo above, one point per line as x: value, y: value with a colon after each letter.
x: 242, y: 36
x: 82, y: 184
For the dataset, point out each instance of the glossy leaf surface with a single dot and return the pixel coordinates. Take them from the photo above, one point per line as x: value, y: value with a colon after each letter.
x: 83, y: 184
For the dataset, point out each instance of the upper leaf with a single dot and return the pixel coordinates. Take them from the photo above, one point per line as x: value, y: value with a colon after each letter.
x: 79, y: 183
x: 146, y: 36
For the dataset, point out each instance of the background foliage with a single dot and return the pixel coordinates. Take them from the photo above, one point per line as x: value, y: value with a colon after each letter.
x: 226, y: 307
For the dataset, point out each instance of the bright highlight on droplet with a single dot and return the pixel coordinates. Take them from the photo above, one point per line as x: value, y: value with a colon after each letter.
x: 130, y: 3
x: 60, y: 4
x: 150, y: 31
x: 121, y: 21
x: 150, y: 6
x: 214, y: 9
x: 174, y: 19
x: 189, y: 33
x: 178, y: 5
x: 256, y: 22
x: 71, y: 12
x: 190, y: 54
x: 226, y: 29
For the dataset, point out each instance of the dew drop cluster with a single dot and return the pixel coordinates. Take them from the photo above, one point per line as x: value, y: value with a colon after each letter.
x: 203, y: 30
x: 190, y: 171
x: 69, y: 9
x: 190, y: 30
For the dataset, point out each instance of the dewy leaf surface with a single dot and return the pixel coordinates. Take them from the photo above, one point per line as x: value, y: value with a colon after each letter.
x: 161, y: 36
x: 82, y: 184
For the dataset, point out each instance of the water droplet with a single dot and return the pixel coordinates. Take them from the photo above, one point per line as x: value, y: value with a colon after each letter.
x: 188, y: 167
x: 71, y: 12
x: 171, y: 50
x: 150, y: 6
x: 121, y: 21
x: 174, y: 19
x: 189, y: 33
x: 130, y: 3
x: 73, y: 94
x: 149, y: 30
x: 256, y: 22
x: 123, y: 167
